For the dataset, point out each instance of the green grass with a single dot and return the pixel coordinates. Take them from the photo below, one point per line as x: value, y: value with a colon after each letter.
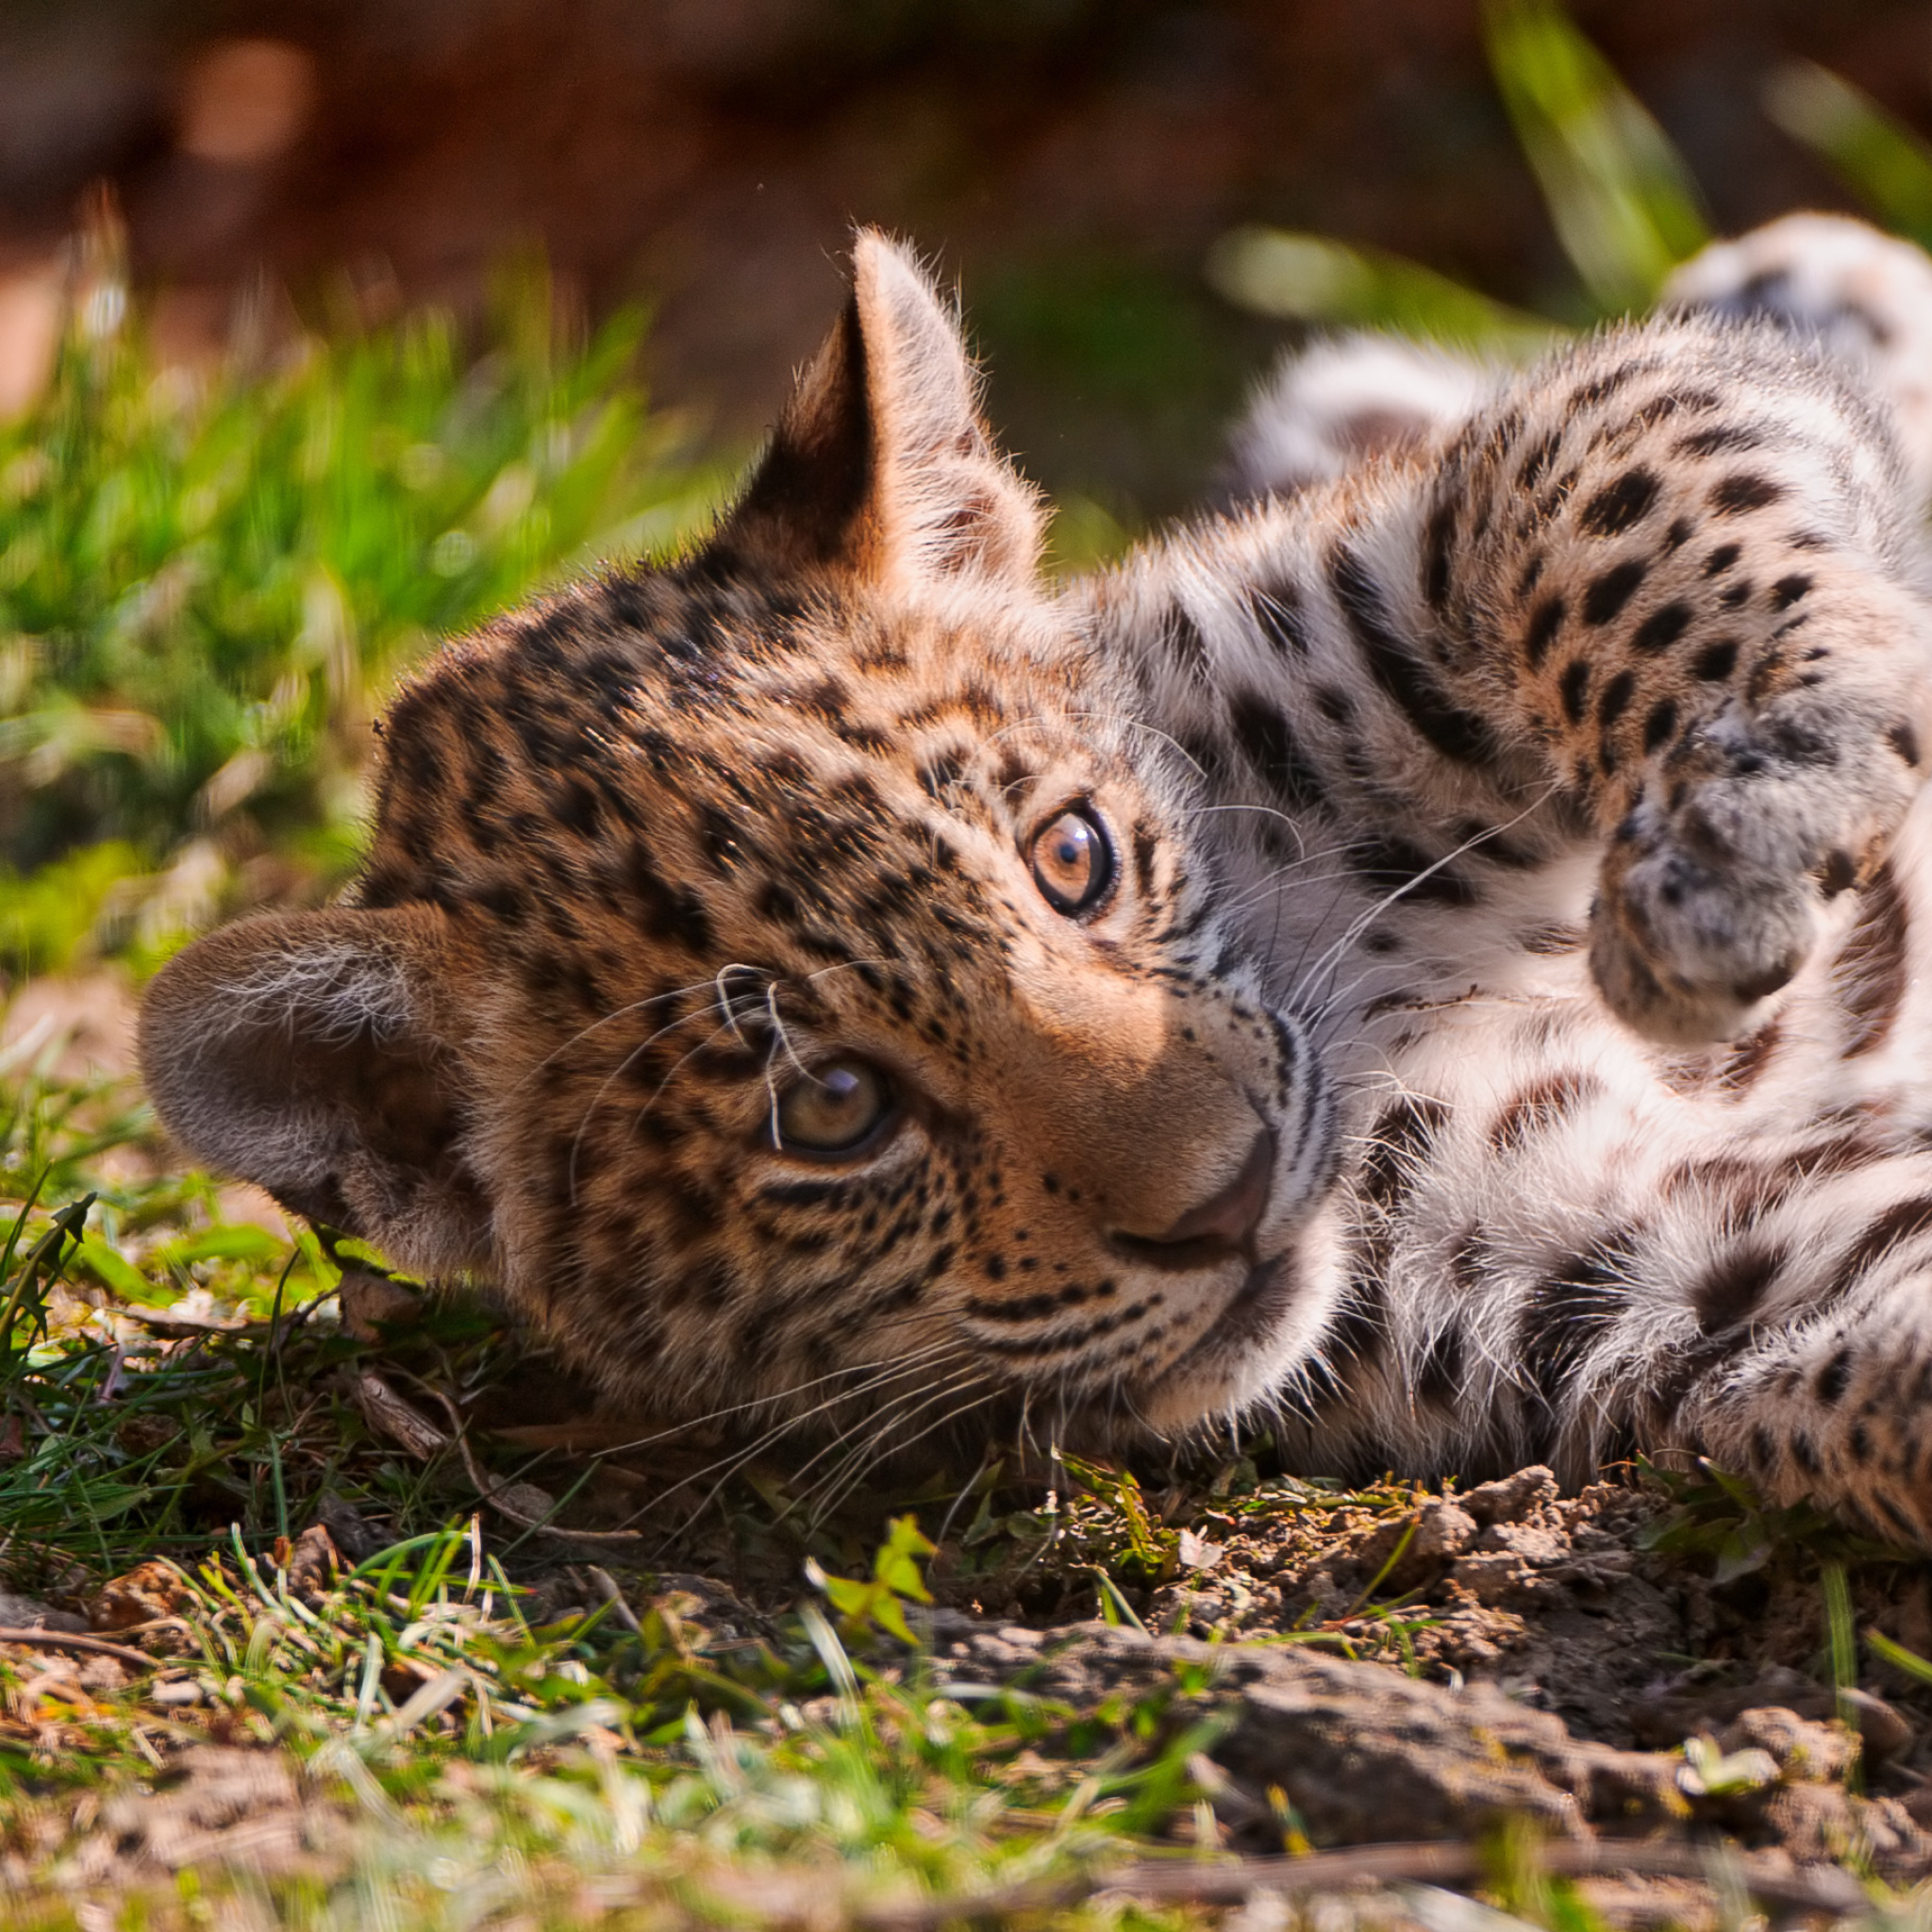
x: 208, y: 581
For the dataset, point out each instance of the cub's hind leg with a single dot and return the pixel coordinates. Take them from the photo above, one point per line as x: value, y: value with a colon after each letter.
x: 1812, y: 1371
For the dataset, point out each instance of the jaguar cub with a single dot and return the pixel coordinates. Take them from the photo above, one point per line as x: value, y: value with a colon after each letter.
x: 1432, y: 961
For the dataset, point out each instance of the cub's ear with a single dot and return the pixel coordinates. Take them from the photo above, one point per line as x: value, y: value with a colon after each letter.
x: 315, y: 1055
x: 880, y: 466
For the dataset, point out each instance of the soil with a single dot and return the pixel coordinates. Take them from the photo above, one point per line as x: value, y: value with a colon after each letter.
x: 1528, y: 1657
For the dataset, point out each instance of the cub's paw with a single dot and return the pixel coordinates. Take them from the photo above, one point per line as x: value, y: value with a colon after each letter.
x: 1722, y: 878
x: 1688, y: 948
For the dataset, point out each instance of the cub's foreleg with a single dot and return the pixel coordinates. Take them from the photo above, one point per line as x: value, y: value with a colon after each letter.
x: 1684, y: 564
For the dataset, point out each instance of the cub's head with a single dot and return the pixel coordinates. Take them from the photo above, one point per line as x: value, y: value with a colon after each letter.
x: 789, y: 974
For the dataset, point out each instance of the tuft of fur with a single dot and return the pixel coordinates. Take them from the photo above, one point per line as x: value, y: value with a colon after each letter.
x: 1327, y: 407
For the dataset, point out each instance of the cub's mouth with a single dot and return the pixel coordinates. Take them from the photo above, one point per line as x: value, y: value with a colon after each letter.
x: 1255, y: 1312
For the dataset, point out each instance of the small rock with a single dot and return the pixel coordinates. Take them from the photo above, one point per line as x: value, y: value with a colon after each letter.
x: 1512, y: 1497
x: 1427, y: 1539
x: 312, y: 1563
x: 30, y: 1613
x: 1807, y: 1752
x: 372, y: 1302
x: 146, y: 1594
x: 348, y: 1529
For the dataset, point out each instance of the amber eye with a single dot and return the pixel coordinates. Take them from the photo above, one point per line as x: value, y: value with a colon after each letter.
x: 1073, y: 863
x: 836, y: 1108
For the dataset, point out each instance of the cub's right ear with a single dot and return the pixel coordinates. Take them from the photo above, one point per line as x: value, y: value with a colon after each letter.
x: 880, y: 468
x: 318, y: 1056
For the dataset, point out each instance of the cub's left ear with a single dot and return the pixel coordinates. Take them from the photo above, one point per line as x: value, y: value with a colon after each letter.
x: 881, y: 466
x: 317, y: 1053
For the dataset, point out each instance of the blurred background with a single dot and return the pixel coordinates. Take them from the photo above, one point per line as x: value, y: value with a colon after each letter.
x: 1070, y: 161
x: 327, y: 326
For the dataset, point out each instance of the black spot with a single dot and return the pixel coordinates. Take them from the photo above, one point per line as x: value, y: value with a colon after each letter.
x: 1744, y: 492
x: 1542, y: 1105
x: 1538, y: 459
x: 1570, y: 1308
x: 1834, y: 1379
x: 1389, y: 865
x: 1602, y: 387
x: 1716, y: 440
x: 1608, y: 594
x: 1438, y: 1375
x: 1399, y: 1143
x: 1658, y: 726
x: 1722, y: 558
x: 941, y: 772
x: 1905, y: 741
x: 1188, y: 646
x: 1732, y: 1287
x: 1543, y: 624
x: 1787, y: 591
x: 1265, y: 736
x: 1717, y: 661
x: 1573, y: 689
x: 1871, y: 975
x: 1681, y: 531
x: 1619, y: 505
x: 1552, y: 941
x: 1275, y: 613
x: 1749, y: 1057
x: 1900, y: 1222
x: 1456, y: 734
x: 667, y: 911
x: 1437, y: 548
x: 1661, y: 628
x: 1616, y: 698
x: 1360, y: 1328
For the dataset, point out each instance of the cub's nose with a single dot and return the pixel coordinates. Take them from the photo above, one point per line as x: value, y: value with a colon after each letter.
x: 1216, y: 1228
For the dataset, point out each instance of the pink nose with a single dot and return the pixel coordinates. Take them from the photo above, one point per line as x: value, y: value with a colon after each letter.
x: 1219, y: 1227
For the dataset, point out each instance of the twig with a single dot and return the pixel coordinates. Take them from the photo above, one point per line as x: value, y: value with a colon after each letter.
x: 499, y: 1495
x: 74, y: 1639
x: 1229, y: 1881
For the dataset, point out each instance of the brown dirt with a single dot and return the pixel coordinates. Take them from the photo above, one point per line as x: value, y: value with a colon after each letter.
x: 1547, y: 1676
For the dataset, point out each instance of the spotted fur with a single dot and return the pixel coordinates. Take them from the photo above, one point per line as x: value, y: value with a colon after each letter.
x: 1501, y: 1036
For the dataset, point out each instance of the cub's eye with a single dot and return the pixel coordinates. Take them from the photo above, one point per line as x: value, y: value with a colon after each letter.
x: 1073, y: 863
x: 836, y: 1108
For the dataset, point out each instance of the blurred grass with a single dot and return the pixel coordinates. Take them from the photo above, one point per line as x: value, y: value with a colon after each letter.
x: 209, y: 579
x: 1621, y: 200
x: 1311, y: 278
x: 1883, y: 163
x: 1624, y: 205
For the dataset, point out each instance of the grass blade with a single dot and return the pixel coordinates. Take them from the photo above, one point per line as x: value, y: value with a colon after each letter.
x: 1880, y: 159
x: 1625, y: 206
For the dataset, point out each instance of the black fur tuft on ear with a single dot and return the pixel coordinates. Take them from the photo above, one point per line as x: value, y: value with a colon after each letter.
x: 308, y: 1054
x: 880, y: 468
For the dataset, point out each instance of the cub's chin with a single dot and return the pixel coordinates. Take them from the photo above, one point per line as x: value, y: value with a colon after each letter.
x: 1251, y: 1356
